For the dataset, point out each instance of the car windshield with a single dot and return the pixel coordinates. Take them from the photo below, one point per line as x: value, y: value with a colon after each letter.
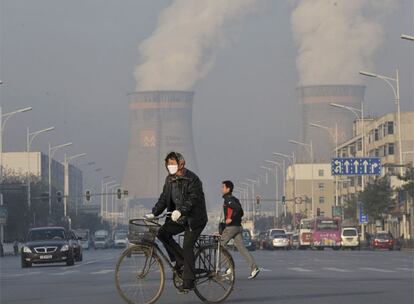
x: 246, y: 235
x: 121, y: 236
x: 349, y: 232
x: 277, y: 232
x: 382, y: 236
x: 46, y: 234
x: 305, y: 225
x: 327, y: 225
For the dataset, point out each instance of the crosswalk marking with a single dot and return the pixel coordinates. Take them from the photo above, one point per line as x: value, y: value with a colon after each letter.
x: 104, y: 271
x: 376, y: 269
x: 405, y: 269
x: 300, y: 269
x: 65, y: 272
x: 336, y: 269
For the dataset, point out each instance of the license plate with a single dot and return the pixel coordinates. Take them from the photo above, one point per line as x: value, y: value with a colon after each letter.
x: 45, y: 257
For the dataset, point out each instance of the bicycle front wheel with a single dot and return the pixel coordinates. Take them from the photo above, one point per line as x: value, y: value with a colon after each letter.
x: 215, y: 274
x: 139, y: 275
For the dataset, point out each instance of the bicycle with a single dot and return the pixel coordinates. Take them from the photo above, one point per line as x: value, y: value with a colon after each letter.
x: 140, y: 276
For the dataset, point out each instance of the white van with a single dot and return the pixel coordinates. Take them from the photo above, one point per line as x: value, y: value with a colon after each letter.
x: 350, y: 238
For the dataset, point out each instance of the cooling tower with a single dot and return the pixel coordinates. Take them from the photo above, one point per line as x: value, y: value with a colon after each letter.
x: 160, y: 122
x: 315, y: 105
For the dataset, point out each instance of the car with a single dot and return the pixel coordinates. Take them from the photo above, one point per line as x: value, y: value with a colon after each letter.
x: 247, y: 240
x: 382, y: 240
x: 77, y: 245
x: 350, y: 238
x: 270, y: 234
x: 295, y: 241
x: 84, y: 238
x: 47, y: 245
x: 280, y: 241
x: 120, y: 239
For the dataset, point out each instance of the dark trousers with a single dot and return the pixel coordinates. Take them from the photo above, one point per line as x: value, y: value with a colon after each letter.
x: 183, y: 256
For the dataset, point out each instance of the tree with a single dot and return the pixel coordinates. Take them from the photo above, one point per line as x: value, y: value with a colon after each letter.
x: 350, y: 208
x: 409, y: 179
x: 377, y: 198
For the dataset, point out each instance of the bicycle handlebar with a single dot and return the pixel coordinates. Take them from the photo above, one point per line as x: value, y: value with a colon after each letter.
x: 153, y: 220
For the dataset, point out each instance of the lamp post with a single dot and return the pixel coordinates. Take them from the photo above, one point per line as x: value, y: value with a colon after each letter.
x: 66, y: 187
x: 29, y: 140
x: 335, y: 138
x: 253, y: 182
x: 111, y: 189
x: 247, y: 200
x: 274, y: 170
x: 51, y: 152
x: 396, y: 92
x: 106, y: 195
x: 102, y: 194
x: 407, y: 37
x: 311, y: 156
x: 243, y: 192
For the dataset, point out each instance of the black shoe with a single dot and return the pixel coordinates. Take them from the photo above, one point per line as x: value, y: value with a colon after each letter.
x: 187, y: 286
x: 178, y: 268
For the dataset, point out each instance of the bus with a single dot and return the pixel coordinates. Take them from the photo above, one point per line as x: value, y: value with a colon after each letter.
x: 305, y: 233
x: 326, y: 232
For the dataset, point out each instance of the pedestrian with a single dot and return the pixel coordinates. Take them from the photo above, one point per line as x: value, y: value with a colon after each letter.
x: 233, y: 213
x: 16, y: 247
x: 183, y: 196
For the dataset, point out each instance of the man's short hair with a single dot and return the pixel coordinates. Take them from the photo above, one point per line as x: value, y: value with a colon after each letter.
x: 229, y: 184
x: 178, y: 157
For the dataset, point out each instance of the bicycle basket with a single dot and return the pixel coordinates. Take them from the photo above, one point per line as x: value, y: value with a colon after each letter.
x: 203, y: 240
x: 141, y: 230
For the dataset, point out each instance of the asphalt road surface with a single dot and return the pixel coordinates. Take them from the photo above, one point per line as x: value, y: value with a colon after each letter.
x: 286, y: 277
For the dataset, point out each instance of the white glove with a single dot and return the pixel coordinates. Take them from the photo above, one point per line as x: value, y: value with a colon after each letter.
x: 149, y: 216
x: 175, y: 215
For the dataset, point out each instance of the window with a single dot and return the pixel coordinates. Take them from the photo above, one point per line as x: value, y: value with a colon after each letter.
x: 380, y: 131
x: 376, y: 135
x: 359, y: 144
x: 320, y: 172
x: 321, y: 200
x: 376, y: 153
x: 359, y: 181
x: 352, y: 150
x: 390, y: 127
x: 322, y: 213
x: 321, y: 186
x: 344, y: 152
x: 391, y: 149
x: 352, y: 182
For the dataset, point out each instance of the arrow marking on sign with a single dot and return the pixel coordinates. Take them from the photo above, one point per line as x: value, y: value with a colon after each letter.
x: 365, y: 163
x: 356, y: 164
x: 346, y: 163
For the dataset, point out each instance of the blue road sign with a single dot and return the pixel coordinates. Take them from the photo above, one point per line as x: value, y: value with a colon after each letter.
x: 356, y: 166
x: 363, y: 218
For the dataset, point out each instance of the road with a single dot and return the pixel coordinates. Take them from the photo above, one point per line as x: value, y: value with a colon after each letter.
x: 287, y: 277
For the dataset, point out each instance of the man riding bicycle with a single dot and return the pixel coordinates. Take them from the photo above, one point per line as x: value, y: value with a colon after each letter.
x: 183, y: 196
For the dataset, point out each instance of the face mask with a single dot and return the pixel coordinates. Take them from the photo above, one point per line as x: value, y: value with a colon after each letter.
x: 172, y: 169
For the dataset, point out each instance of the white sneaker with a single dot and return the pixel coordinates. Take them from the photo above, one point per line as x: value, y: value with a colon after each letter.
x: 254, y: 273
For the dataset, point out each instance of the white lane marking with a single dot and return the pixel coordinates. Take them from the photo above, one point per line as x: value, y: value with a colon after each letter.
x: 265, y: 269
x: 405, y: 269
x: 300, y: 269
x: 21, y: 274
x: 376, y: 269
x: 103, y: 271
x: 336, y: 269
x: 64, y: 272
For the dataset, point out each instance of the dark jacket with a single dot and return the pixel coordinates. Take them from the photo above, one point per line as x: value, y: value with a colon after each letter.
x: 191, y: 202
x: 232, y: 209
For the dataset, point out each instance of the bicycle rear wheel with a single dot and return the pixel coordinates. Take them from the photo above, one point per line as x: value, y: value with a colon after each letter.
x: 139, y: 275
x: 214, y: 285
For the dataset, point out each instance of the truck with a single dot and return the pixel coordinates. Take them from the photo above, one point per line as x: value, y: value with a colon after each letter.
x: 120, y: 239
x: 101, y: 239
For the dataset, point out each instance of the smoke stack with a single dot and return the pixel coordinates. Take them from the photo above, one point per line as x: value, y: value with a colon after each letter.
x: 160, y: 122
x: 315, y: 105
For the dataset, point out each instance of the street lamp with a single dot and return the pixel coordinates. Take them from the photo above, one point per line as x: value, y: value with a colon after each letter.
x: 407, y: 37
x: 311, y: 156
x: 247, y: 198
x: 253, y: 182
x: 281, y: 166
x: 29, y: 140
x: 276, y: 190
x: 396, y: 92
x: 66, y: 188
x: 106, y: 195
x: 111, y: 189
x: 51, y: 152
x: 336, y: 150
x: 102, y: 193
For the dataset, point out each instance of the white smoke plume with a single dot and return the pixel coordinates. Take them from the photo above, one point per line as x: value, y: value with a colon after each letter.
x: 337, y: 38
x: 182, y: 48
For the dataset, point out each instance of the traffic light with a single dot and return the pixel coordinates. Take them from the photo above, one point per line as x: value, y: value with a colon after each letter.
x: 119, y: 193
x: 88, y: 195
x: 283, y: 200
x: 59, y: 196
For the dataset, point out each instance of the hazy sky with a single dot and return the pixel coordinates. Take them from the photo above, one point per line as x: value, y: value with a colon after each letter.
x: 74, y: 62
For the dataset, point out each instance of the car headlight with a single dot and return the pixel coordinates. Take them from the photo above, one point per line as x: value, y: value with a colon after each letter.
x: 26, y: 249
x: 64, y: 248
